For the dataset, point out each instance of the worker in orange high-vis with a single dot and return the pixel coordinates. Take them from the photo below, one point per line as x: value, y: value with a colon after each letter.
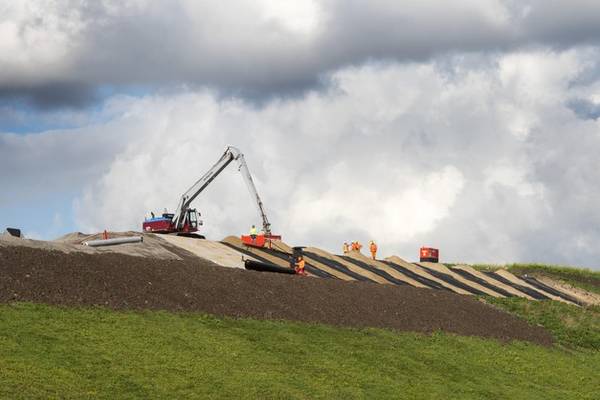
x: 358, y: 246
x: 373, y: 250
x: 346, y: 248
x: 300, y: 266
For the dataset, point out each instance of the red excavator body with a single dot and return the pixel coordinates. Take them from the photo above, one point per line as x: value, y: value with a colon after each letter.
x: 165, y: 223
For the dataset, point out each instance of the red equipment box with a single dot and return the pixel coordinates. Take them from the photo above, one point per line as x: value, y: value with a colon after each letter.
x: 259, y: 240
x: 429, y: 254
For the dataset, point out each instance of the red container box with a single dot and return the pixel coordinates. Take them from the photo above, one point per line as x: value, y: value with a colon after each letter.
x: 429, y: 254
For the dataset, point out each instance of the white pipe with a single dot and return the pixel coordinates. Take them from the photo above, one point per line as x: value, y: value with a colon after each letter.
x: 110, y: 242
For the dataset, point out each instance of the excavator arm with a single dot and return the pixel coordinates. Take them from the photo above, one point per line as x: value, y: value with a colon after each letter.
x: 243, y: 168
x: 230, y: 154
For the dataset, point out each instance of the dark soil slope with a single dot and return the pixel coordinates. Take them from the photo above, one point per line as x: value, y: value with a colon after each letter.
x: 124, y: 282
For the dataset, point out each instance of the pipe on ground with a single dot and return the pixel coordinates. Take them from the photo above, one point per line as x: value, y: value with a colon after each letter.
x: 265, y: 267
x: 110, y: 242
x: 14, y: 232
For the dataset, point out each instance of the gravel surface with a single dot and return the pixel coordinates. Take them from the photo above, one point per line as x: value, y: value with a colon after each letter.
x: 125, y: 282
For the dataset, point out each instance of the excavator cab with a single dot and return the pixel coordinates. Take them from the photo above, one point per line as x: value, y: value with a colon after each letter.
x: 165, y: 224
x: 191, y: 221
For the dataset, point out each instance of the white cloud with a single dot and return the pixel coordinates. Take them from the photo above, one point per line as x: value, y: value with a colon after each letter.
x: 471, y: 125
x: 302, y: 17
x: 403, y: 154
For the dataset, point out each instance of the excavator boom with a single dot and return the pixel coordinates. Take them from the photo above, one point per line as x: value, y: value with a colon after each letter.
x: 184, y: 220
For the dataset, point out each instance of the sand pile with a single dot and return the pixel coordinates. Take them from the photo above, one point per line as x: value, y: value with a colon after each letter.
x: 152, y: 246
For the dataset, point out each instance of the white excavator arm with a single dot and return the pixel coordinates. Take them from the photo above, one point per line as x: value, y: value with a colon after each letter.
x: 231, y: 153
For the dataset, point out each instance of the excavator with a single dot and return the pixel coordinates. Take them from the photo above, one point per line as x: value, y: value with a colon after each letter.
x: 185, y: 221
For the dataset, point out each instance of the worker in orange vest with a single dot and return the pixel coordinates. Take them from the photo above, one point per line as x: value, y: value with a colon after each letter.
x: 358, y: 246
x: 346, y: 248
x: 300, y: 266
x: 373, y: 249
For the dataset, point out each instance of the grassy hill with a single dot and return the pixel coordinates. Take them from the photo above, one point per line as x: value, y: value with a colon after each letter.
x: 74, y: 353
x: 572, y: 327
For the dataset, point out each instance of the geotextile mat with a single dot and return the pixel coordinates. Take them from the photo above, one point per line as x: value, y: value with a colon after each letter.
x: 120, y: 281
x: 276, y: 258
x: 531, y: 292
x: 337, y: 266
x: 421, y: 279
x: 471, y: 277
x: 542, y: 286
x: 452, y: 281
x: 374, y: 270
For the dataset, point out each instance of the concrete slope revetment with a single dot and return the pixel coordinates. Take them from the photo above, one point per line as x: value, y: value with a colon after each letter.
x: 357, y: 256
x: 423, y: 273
x: 344, y: 265
x: 216, y: 252
x: 457, y: 280
x: 470, y: 273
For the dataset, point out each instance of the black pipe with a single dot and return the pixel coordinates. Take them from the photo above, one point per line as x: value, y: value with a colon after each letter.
x: 14, y: 232
x: 266, y: 267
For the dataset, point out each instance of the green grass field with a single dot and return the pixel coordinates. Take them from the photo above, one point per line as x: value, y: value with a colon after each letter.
x: 51, y: 352
x: 572, y: 327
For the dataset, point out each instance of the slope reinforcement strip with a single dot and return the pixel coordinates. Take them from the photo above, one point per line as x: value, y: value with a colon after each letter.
x: 336, y: 266
x: 309, y: 266
x: 507, y: 275
x: 334, y: 272
x: 448, y: 271
x: 530, y: 292
x: 374, y: 270
x: 453, y: 281
x: 417, y: 269
x: 381, y: 266
x: 264, y: 257
x: 283, y: 250
x: 419, y: 278
x: 478, y: 274
x: 473, y: 278
x: 542, y: 286
x: 348, y: 265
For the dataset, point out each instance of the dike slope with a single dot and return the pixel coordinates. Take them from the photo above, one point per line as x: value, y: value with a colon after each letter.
x: 125, y: 282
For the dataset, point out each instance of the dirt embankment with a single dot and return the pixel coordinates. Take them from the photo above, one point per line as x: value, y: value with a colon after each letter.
x: 125, y: 282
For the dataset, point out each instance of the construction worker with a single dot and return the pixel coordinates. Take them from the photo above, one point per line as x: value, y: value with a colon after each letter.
x: 253, y: 232
x: 358, y: 246
x: 373, y: 250
x: 300, y: 266
x: 346, y: 248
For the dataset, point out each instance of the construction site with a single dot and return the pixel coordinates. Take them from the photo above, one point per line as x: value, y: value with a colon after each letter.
x: 169, y: 265
x: 173, y: 242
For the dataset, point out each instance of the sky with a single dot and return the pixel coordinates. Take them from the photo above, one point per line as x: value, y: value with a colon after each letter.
x: 470, y: 126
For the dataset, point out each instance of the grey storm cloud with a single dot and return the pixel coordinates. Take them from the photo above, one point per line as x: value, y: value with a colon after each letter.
x: 64, y: 52
x: 51, y: 95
